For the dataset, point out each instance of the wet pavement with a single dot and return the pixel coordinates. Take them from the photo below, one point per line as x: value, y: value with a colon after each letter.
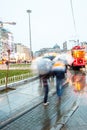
x: 78, y: 120
x: 22, y: 108
x: 17, y: 102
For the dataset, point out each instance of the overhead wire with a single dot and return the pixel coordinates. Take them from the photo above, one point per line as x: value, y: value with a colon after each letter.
x: 73, y: 16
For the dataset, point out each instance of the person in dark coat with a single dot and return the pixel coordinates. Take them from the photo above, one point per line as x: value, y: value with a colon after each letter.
x: 44, y: 81
x: 59, y: 73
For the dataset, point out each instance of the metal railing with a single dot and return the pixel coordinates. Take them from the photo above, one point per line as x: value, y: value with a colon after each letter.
x: 15, y: 78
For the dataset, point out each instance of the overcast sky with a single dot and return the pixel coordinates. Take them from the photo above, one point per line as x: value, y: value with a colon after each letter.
x: 51, y: 21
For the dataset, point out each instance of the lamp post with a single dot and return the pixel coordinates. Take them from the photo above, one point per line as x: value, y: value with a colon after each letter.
x: 29, y: 11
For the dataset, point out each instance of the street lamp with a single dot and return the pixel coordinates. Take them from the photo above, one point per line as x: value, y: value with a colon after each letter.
x: 29, y: 11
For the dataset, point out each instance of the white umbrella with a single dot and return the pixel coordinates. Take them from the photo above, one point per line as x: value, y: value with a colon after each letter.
x: 41, y: 65
x: 44, y: 66
x: 65, y: 58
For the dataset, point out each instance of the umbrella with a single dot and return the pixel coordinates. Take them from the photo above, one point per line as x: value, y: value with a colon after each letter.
x: 49, y: 57
x: 67, y: 59
x: 42, y: 66
x: 58, y: 66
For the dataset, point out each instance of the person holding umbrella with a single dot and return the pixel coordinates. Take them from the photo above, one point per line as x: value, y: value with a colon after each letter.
x: 59, y: 70
x: 44, y: 67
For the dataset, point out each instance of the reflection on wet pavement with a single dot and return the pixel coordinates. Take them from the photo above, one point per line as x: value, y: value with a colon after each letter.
x: 78, y: 81
x: 79, y: 119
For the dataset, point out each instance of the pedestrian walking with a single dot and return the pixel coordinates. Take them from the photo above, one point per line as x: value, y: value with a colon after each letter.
x: 60, y: 78
x: 44, y: 80
x: 59, y: 70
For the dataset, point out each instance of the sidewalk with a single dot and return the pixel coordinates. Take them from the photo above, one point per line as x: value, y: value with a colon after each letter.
x: 25, y: 97
x: 19, y: 106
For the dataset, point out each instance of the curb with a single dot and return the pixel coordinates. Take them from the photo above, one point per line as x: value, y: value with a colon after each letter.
x: 12, y: 85
x: 64, y: 119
